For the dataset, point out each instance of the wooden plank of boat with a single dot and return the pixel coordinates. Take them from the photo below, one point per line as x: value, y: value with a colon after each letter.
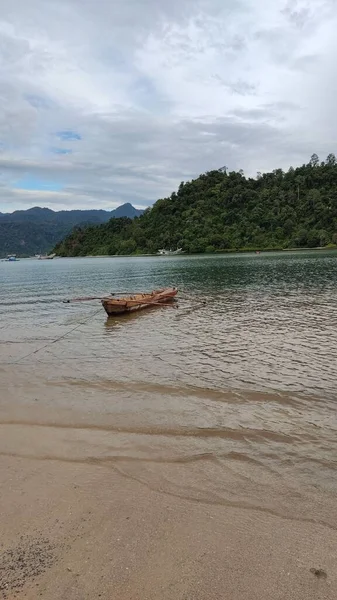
x: 117, y: 306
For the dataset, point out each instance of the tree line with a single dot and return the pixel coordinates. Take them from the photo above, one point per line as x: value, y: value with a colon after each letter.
x: 223, y: 211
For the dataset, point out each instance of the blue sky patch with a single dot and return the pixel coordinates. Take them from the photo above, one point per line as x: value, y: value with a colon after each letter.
x: 68, y: 135
x: 37, y: 184
x: 61, y: 150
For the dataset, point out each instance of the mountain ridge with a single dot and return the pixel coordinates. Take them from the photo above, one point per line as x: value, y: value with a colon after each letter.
x: 38, y: 229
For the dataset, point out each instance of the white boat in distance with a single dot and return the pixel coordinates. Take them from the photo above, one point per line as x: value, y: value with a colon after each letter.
x: 164, y: 252
x: 45, y: 257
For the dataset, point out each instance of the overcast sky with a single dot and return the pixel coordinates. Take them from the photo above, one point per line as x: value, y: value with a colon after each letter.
x: 111, y: 101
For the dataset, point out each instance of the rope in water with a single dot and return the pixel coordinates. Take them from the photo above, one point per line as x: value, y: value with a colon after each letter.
x: 60, y: 337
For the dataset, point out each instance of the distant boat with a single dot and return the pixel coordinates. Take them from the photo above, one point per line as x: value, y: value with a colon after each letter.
x: 118, y: 306
x: 45, y: 256
x: 163, y: 252
x: 11, y: 258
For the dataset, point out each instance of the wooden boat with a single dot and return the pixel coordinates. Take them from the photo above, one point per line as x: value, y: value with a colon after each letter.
x: 117, y: 306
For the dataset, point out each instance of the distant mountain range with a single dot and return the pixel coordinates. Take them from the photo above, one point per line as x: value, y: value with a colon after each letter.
x: 37, y: 230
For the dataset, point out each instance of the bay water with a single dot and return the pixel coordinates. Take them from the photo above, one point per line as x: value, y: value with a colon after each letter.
x: 227, y: 397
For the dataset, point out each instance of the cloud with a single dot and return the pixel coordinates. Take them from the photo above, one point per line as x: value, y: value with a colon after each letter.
x: 139, y: 96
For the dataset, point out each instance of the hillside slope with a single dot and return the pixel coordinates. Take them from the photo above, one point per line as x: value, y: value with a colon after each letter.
x: 37, y: 230
x: 219, y: 211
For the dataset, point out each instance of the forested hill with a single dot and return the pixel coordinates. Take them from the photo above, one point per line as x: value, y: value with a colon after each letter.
x: 220, y: 210
x: 37, y: 230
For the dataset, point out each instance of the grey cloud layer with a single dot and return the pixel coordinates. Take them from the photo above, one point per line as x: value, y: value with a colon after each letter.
x: 159, y: 92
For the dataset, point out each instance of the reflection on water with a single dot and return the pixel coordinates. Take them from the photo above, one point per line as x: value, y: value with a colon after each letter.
x: 227, y: 397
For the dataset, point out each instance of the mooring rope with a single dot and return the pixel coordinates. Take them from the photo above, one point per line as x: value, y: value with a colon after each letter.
x: 60, y: 337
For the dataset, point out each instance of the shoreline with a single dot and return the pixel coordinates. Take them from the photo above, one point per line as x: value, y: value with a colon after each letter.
x: 216, y: 253
x: 185, y: 254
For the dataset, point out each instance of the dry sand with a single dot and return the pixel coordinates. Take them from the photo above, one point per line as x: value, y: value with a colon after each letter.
x: 82, y: 531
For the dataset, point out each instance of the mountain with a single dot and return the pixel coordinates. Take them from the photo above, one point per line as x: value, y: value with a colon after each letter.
x: 37, y: 230
x: 226, y: 211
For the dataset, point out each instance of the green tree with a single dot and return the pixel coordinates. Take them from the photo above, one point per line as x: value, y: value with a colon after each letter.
x: 331, y: 160
x: 324, y: 237
x: 314, y: 160
x: 223, y: 210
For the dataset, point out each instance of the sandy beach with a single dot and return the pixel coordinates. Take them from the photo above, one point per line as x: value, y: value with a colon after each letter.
x: 79, y: 531
x: 81, y: 521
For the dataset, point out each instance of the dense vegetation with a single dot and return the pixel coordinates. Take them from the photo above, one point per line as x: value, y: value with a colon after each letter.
x: 27, y: 239
x: 221, y: 211
x: 37, y: 230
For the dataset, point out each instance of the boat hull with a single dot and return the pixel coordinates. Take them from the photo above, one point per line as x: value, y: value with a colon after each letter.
x: 42, y: 257
x: 119, y: 306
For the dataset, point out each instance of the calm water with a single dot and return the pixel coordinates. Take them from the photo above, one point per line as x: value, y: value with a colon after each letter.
x: 231, y: 401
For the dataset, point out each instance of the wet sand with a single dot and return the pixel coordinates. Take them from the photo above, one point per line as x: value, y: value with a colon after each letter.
x: 86, y: 514
x: 83, y: 532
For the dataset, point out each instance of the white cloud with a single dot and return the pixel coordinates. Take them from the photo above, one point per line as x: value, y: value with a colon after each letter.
x: 159, y: 92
